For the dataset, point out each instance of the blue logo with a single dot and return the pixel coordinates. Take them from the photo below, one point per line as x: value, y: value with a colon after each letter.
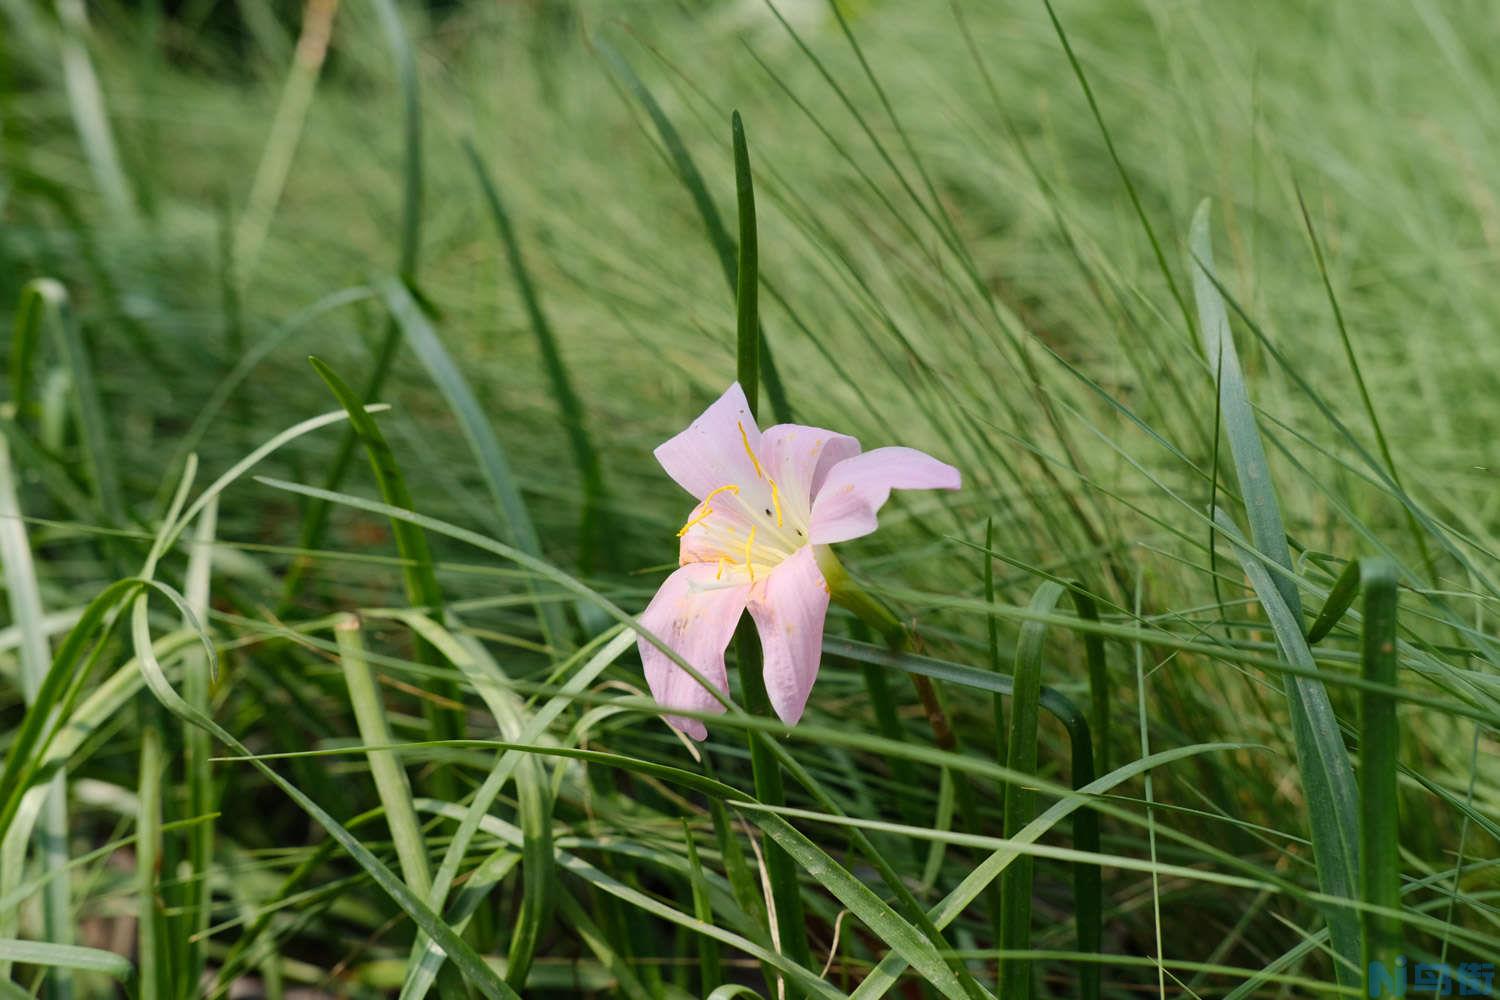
x: 1466, y: 979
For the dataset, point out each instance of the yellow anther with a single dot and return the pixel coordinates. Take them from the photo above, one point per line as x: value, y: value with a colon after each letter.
x: 697, y: 520
x: 776, y: 500
x: 749, y: 543
x: 729, y: 488
x: 745, y: 439
x: 723, y: 561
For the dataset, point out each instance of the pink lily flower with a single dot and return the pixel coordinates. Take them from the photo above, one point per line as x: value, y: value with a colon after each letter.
x: 767, y: 504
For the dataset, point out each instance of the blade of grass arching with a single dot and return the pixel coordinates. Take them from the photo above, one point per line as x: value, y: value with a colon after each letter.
x: 1256, y: 489
x: 283, y: 136
x: 196, y: 750
x: 1359, y: 381
x: 25, y: 601
x: 1322, y: 762
x: 718, y: 235
x: 533, y: 807
x: 154, y: 941
x: 1379, y: 739
x: 862, y: 901
x: 417, y: 571
x: 23, y: 758
x: 597, y: 539
x: 790, y: 926
x: 315, y: 519
x: 391, y: 783
x: 1015, y: 981
x: 646, y: 902
x: 710, y: 970
x: 485, y: 678
x: 888, y: 971
x: 462, y: 954
x: 90, y: 119
x: 788, y: 762
x: 488, y: 452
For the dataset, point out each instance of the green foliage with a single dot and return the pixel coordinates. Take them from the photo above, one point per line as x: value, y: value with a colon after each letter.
x: 379, y: 729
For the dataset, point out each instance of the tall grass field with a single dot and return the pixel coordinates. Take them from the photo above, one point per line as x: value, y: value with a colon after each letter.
x: 339, y: 342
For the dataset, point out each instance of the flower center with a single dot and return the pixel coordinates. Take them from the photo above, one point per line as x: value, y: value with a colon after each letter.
x: 743, y: 527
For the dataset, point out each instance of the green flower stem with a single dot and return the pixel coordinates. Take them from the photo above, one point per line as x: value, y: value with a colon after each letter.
x: 781, y: 870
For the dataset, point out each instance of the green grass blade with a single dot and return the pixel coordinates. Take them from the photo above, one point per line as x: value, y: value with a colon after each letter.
x: 747, y: 273
x: 1322, y: 761
x: 648, y: 903
x: 488, y: 452
x: 1340, y: 597
x: 67, y: 956
x: 1379, y: 742
x: 710, y: 969
x: 405, y: 58
x: 1254, y: 474
x: 422, y: 588
x: 595, y: 533
x: 391, y: 783
x: 26, y: 610
x: 282, y: 139
x: 1020, y: 802
x: 462, y: 954
x: 901, y: 936
x: 485, y: 678
x: 786, y: 892
x: 196, y: 751
x: 718, y: 235
x: 1359, y: 381
x: 46, y: 300
x: 1119, y: 165
x: 152, y: 944
x: 315, y: 520
x: 22, y: 761
x: 1093, y: 647
x: 90, y: 117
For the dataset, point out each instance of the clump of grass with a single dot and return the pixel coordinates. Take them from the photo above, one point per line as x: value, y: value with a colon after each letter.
x: 275, y: 729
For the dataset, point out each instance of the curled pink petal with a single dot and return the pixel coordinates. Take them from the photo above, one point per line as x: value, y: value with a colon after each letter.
x: 798, y: 458
x: 789, y: 607
x: 695, y: 617
x: 716, y: 449
x: 857, y: 487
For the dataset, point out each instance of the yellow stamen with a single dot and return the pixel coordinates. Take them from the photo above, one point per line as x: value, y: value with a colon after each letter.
x: 697, y: 520
x: 729, y: 488
x: 776, y: 500
x: 749, y: 542
x: 720, y: 574
x: 745, y: 439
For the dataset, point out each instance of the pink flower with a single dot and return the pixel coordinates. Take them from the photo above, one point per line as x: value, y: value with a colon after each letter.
x: 767, y: 502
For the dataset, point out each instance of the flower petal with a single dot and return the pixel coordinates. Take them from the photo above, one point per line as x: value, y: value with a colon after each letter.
x: 857, y: 487
x: 798, y: 459
x: 695, y: 618
x: 788, y: 608
x: 715, y: 449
